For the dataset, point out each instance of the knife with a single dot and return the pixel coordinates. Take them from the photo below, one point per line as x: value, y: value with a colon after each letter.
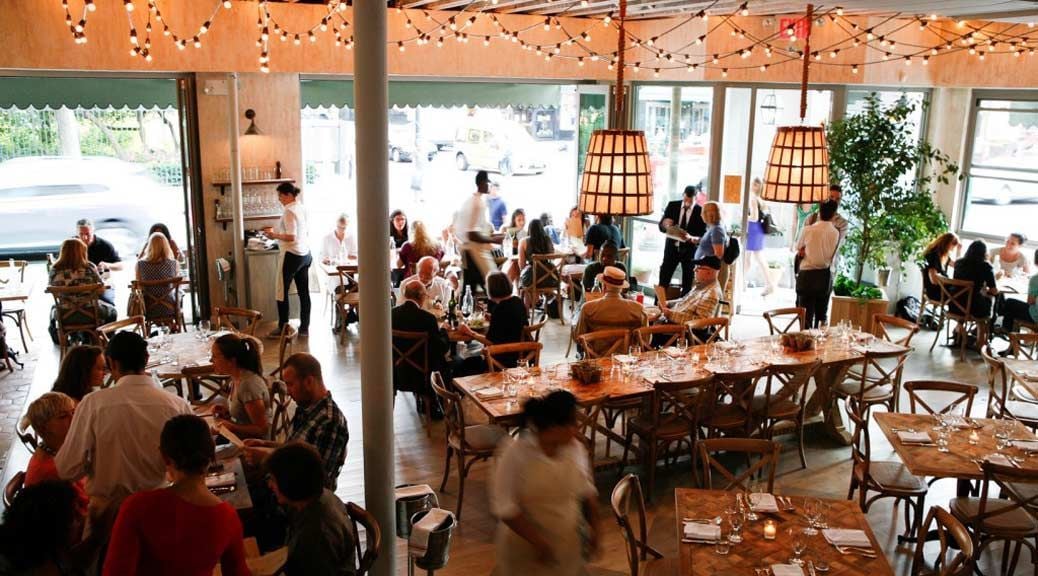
x: 810, y: 568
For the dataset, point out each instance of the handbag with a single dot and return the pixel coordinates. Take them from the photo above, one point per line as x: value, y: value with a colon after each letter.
x: 767, y: 224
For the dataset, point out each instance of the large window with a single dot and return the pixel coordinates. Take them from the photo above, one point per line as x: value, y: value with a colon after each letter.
x: 1002, y: 171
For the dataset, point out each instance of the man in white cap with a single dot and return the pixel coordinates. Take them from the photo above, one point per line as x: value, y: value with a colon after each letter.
x: 612, y: 310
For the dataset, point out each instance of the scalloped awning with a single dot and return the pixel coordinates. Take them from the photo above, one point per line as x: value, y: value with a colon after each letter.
x: 41, y: 92
x: 410, y: 94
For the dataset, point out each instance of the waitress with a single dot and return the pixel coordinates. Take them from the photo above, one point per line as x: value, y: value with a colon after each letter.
x: 293, y: 235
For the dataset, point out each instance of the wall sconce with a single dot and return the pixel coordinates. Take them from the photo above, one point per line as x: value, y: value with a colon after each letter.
x: 250, y: 114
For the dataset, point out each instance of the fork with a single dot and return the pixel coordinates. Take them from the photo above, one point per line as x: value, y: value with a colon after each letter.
x: 866, y: 552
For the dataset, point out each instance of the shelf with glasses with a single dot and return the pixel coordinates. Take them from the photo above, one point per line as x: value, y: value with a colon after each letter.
x: 224, y: 219
x: 223, y: 186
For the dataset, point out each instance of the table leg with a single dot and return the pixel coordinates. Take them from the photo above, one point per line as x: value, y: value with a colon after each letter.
x: 822, y: 401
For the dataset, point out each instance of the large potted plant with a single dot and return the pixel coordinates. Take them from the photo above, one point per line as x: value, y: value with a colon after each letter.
x: 888, y: 176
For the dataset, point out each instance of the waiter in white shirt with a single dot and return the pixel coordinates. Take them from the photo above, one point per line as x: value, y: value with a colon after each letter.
x: 475, y: 234
x: 295, y: 266
x: 817, y: 249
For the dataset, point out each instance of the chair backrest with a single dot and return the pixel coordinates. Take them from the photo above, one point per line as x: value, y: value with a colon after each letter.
x: 280, y: 423
x: 545, y: 274
x: 736, y: 389
x: 716, y: 326
x: 1024, y: 345
x: 18, y: 267
x: 604, y: 343
x: 881, y: 369
x: 788, y: 382
x: 161, y: 299
x: 367, y: 555
x: 532, y: 332
x: 229, y: 318
x: 782, y: 320
x: 1013, y: 490
x: 686, y: 399
x: 410, y: 360
x: 347, y: 278
x: 13, y: 487
x: 453, y: 410
x: 627, y: 494
x: 77, y: 307
x: 132, y: 324
x: 26, y: 434
x: 498, y: 355
x: 861, y: 443
x: 957, y: 295
x: 997, y: 391
x: 288, y: 336
x: 587, y: 418
x: 885, y: 324
x: 766, y: 450
x: 955, y: 556
x: 955, y: 395
x: 674, y: 333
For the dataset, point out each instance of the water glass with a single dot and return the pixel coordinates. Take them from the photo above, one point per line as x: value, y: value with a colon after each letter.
x: 1001, y: 430
x: 736, y: 519
x: 635, y: 350
x: 821, y: 554
x: 723, y: 545
x: 798, y: 540
x: 204, y: 326
x: 812, y: 508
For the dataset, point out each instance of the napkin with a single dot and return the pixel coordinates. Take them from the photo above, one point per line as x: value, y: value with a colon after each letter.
x: 763, y: 502
x: 408, y: 492
x: 625, y: 358
x: 419, y: 540
x: 672, y: 351
x: 1026, y: 445
x: 221, y: 480
x: 907, y: 437
x: 847, y: 537
x: 702, y: 531
x: 999, y: 459
x: 491, y: 392
x: 786, y: 570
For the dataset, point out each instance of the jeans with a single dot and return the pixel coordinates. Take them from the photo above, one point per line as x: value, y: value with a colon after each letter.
x: 1015, y: 310
x: 813, y: 288
x: 295, y: 268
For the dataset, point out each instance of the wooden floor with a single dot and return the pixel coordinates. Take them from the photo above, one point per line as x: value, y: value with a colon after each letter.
x: 419, y: 455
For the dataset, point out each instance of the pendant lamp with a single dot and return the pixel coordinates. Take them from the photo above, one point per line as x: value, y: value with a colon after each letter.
x: 798, y: 165
x: 617, y: 177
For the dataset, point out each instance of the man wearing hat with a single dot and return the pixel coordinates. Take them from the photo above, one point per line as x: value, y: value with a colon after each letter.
x: 701, y: 301
x: 612, y: 310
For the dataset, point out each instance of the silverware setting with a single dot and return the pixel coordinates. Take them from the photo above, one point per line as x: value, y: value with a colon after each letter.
x: 786, y: 504
x: 848, y: 550
x: 903, y: 430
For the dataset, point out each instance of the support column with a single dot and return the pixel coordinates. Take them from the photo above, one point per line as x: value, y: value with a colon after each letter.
x: 370, y: 88
x: 674, y: 146
x: 238, y: 223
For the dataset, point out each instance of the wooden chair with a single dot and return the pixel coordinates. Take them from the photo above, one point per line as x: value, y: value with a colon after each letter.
x: 161, y: 302
x: 131, y: 324
x: 280, y: 422
x: 940, y: 308
x: 626, y: 493
x: 285, y: 342
x: 958, y: 294
x: 498, y: 356
x: 674, y: 333
x: 361, y: 518
x: 13, y: 487
x: 77, y: 311
x: 228, y: 318
x: 411, y: 366
x: 347, y: 296
x: 26, y: 435
x: 731, y: 412
x: 200, y: 380
x: 604, y: 343
x: 15, y: 310
x: 717, y: 327
x: 532, y: 332
x: 1000, y: 401
x: 545, y: 271
x: 879, y: 382
x: 766, y: 451
x: 1006, y: 518
x: 1024, y: 345
x: 587, y: 420
x: 961, y: 396
x: 888, y: 479
x: 471, y: 443
x: 674, y: 416
x: 782, y: 320
x: 955, y: 556
x: 784, y: 400
x: 886, y: 324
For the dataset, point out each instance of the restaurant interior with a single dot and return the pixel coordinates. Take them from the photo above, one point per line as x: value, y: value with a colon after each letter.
x: 889, y: 428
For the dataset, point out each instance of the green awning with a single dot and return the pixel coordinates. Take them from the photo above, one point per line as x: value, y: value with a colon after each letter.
x: 39, y: 92
x: 405, y: 94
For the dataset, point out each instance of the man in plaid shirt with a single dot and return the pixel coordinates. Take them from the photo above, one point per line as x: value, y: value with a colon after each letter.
x: 701, y: 301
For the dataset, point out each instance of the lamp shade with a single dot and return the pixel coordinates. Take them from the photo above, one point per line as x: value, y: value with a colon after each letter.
x: 617, y: 177
x: 798, y: 166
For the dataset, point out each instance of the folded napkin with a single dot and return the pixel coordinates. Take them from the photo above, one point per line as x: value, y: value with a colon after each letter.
x: 490, y: 392
x: 847, y: 537
x: 907, y: 437
x: 763, y: 502
x: 1026, y: 445
x: 221, y: 480
x: 419, y: 540
x: 786, y: 570
x: 999, y: 459
x: 625, y: 358
x: 409, y: 492
x: 672, y: 351
x: 702, y: 531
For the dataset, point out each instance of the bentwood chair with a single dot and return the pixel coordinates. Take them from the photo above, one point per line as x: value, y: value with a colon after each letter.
x: 642, y: 558
x: 285, y: 343
x: 955, y: 555
x: 280, y: 423
x: 604, y: 343
x: 26, y: 434
x: 893, y: 329
x: 1000, y: 398
x: 888, y: 479
x: 784, y: 400
x: 1024, y: 345
x: 503, y: 356
x: 471, y: 443
x: 347, y: 295
x: 547, y: 282
x: 13, y: 487
x: 411, y: 366
x: 731, y: 411
x: 587, y: 422
x: 959, y: 297
x: 240, y: 320
x: 366, y: 556
x: 131, y: 324
x: 201, y: 381
x: 766, y: 451
x: 77, y: 312
x: 161, y: 300
x: 16, y: 310
x: 782, y: 320
x: 532, y: 332
x: 879, y: 382
x: 707, y: 330
x: 664, y: 334
x: 956, y: 397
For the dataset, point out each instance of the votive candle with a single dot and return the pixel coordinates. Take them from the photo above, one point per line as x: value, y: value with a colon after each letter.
x: 974, y: 437
x: 769, y: 529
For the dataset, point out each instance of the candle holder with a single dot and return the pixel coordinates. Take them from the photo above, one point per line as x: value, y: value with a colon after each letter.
x: 770, y: 529
x: 973, y: 438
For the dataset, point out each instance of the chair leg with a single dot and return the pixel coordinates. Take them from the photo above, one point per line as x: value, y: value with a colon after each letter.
x: 623, y: 461
x: 463, y: 472
x: 446, y: 468
x: 558, y: 302
x: 651, y: 472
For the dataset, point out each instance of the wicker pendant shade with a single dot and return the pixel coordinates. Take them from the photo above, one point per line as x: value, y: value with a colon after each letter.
x: 798, y: 166
x: 617, y: 175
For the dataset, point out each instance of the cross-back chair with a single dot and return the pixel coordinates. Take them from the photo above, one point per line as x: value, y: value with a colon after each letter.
x: 766, y: 451
x: 604, y: 343
x: 955, y: 555
x: 361, y: 518
x: 587, y: 421
x: 15, y: 310
x: 642, y: 558
x: 281, y: 421
x: 886, y: 324
x: 161, y: 302
x: 230, y: 318
x: 665, y: 334
x: 77, y: 311
x: 203, y: 385
x: 285, y: 342
x: 961, y: 400
x: 782, y: 320
x: 532, y: 332
x: 707, y: 330
x: 784, y: 400
x: 730, y: 414
x: 347, y: 297
x: 546, y: 281
x: 411, y: 366
x: 1024, y: 345
x: 131, y: 324
x: 879, y: 382
x: 958, y: 295
x: 1000, y: 401
x: 502, y: 356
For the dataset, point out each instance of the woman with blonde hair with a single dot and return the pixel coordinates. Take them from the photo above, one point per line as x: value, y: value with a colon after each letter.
x: 72, y: 268
x: 158, y: 263
x: 420, y: 245
x: 714, y: 240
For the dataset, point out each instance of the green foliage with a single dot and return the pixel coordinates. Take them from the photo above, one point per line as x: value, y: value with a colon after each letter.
x: 887, y: 178
x: 844, y: 286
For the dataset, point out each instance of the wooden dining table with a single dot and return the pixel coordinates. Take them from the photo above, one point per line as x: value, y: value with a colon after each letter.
x: 15, y: 291
x: 169, y: 355
x: 755, y: 552
x: 1024, y: 372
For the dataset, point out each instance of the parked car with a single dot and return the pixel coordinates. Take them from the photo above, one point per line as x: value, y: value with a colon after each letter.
x: 504, y: 147
x: 404, y: 151
x: 42, y: 197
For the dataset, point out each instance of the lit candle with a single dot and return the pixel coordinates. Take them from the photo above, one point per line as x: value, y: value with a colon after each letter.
x: 974, y: 437
x: 769, y: 530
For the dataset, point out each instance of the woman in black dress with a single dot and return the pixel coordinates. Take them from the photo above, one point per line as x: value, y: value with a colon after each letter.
x: 936, y: 258
x: 508, y: 317
x: 975, y: 268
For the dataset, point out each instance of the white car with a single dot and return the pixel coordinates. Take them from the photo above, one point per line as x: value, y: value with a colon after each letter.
x: 42, y: 197
x: 505, y: 147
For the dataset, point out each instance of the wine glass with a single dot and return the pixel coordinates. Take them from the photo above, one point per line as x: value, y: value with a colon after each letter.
x: 798, y: 540
x: 812, y: 508
x: 204, y: 327
x: 736, y: 519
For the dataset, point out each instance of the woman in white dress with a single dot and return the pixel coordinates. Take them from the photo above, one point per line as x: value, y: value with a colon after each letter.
x: 543, y: 494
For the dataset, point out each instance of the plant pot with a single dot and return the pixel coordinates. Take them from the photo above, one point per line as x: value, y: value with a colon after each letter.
x: 857, y: 311
x: 883, y: 277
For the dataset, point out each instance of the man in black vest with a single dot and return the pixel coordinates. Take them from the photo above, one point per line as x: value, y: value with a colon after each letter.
x: 688, y: 216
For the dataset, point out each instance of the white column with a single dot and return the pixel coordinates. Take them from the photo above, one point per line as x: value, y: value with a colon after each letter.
x: 371, y: 98
x: 238, y: 223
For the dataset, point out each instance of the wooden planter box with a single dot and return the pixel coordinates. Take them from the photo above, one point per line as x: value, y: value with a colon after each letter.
x: 857, y: 312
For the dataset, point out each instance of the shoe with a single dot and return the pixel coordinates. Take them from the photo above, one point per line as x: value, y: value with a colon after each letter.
x: 304, y: 331
x: 274, y: 334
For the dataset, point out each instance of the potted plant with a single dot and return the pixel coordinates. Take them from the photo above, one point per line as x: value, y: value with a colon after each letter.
x: 887, y: 177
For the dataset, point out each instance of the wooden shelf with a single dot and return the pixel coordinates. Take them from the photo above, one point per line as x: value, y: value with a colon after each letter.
x: 248, y: 218
x: 224, y: 185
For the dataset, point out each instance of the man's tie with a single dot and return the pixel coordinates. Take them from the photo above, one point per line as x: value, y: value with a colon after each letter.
x: 684, y: 214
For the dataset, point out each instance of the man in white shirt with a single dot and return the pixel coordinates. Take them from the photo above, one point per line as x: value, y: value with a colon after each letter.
x: 437, y: 288
x: 817, y: 249
x: 340, y: 244
x: 474, y: 233
x: 114, y: 436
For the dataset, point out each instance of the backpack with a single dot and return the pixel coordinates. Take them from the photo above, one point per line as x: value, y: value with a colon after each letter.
x: 731, y: 251
x: 908, y: 309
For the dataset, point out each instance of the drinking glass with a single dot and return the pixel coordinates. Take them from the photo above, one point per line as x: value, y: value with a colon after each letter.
x: 204, y: 326
x: 1001, y: 430
x: 798, y: 541
x: 523, y: 364
x: 942, y: 439
x: 723, y: 545
x: 1001, y: 444
x: 736, y: 519
x: 635, y: 350
x: 812, y: 508
x: 821, y: 553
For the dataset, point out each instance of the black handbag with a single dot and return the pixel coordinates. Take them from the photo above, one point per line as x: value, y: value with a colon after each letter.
x: 767, y: 224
